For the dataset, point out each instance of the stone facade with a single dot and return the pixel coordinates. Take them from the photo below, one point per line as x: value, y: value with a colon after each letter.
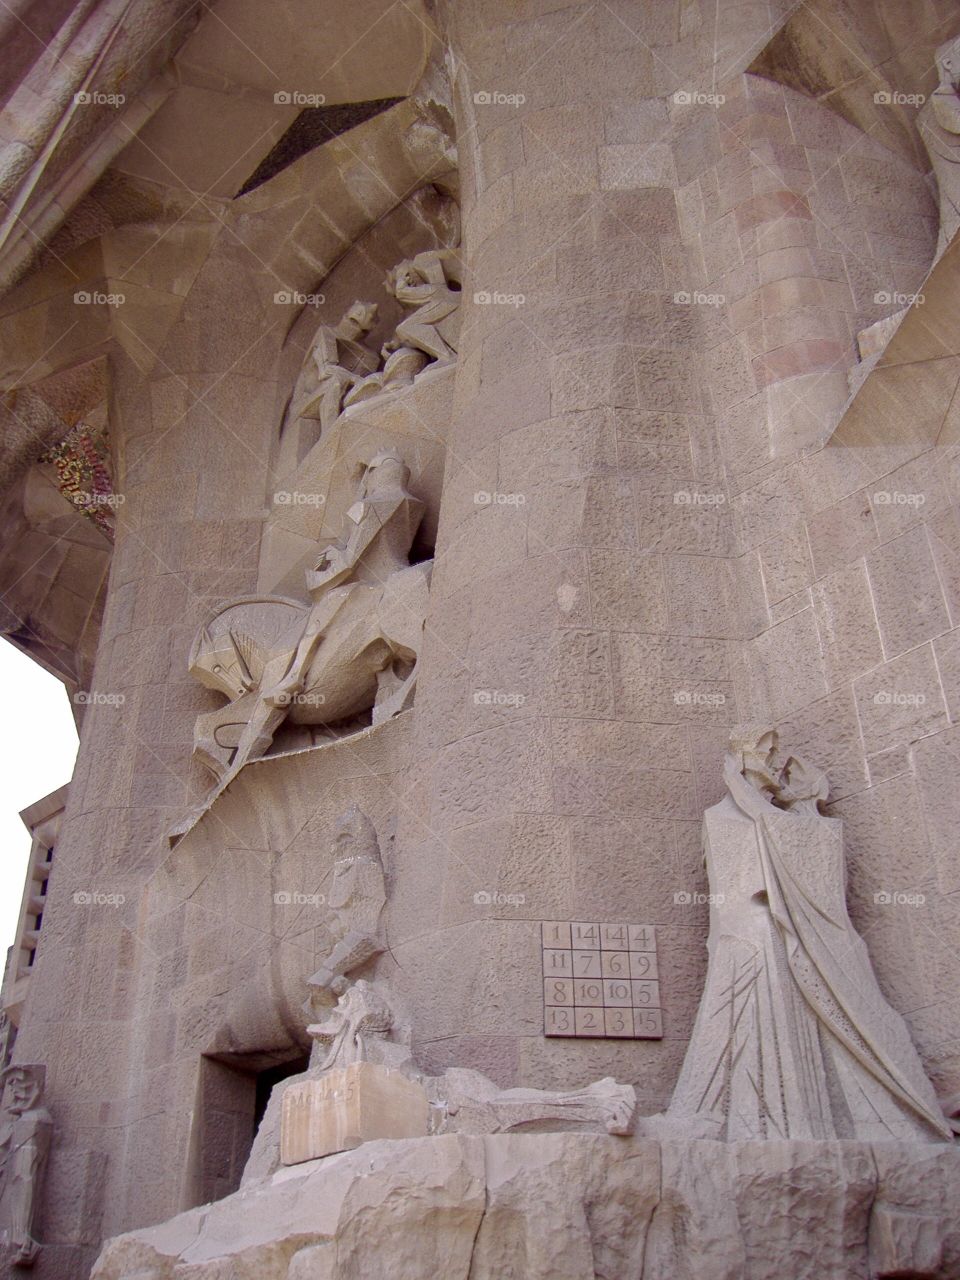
x: 652, y: 303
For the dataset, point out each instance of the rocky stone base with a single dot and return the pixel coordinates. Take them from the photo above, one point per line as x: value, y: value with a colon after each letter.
x: 566, y: 1206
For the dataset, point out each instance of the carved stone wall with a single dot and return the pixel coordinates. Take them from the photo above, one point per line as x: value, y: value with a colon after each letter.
x: 657, y: 509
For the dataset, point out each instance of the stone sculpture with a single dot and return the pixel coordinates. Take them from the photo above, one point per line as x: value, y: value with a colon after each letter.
x: 429, y: 283
x: 793, y: 1038
x: 364, y: 1043
x: 336, y: 362
x: 26, y: 1129
x: 400, y: 369
x: 366, y: 1027
x: 355, y: 647
x: 939, y: 124
x: 356, y: 900
x: 473, y: 1104
x: 945, y: 99
x: 341, y: 371
x: 362, y: 1014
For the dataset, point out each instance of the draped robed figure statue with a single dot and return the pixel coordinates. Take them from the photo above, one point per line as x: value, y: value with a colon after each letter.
x: 793, y: 1038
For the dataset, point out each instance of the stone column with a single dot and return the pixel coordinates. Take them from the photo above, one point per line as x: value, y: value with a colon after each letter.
x: 575, y: 683
x: 192, y: 431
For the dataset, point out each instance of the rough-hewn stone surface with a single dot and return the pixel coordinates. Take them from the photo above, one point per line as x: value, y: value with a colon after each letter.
x: 571, y: 1207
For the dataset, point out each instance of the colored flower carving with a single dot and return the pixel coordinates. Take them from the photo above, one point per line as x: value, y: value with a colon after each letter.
x: 82, y: 463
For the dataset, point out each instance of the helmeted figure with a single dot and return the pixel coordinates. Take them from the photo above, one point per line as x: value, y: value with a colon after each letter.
x: 355, y: 647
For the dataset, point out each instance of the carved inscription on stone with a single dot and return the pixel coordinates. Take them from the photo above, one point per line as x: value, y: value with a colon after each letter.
x: 601, y: 980
x: 347, y: 1107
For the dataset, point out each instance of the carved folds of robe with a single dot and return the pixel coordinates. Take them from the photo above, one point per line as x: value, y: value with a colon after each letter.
x: 793, y: 1038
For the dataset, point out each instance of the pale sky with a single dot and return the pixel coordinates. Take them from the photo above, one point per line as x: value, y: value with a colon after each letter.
x: 37, y: 752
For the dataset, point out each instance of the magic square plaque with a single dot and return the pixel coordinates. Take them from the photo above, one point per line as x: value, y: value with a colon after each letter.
x: 600, y: 980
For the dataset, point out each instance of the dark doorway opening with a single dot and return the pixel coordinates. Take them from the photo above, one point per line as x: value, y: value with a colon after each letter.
x: 233, y: 1094
x: 267, y: 1080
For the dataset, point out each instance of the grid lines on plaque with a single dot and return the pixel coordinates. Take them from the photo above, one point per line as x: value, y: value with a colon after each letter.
x: 600, y: 980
